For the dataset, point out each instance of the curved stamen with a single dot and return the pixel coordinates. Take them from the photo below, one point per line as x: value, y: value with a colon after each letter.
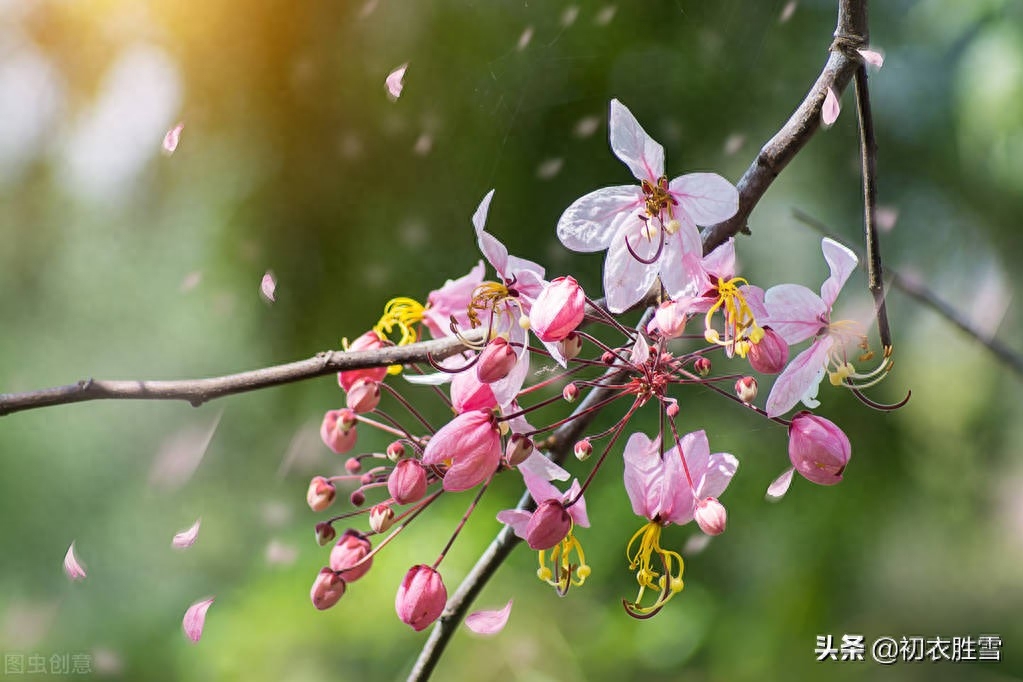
x: 884, y: 407
x: 657, y: 254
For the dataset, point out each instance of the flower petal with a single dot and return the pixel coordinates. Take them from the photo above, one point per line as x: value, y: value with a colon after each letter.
x: 643, y: 469
x: 631, y: 144
x: 842, y: 262
x: 872, y: 57
x: 794, y: 312
x: 493, y: 250
x: 707, y: 198
x: 268, y: 286
x: 395, y: 82
x: 682, y: 270
x: 195, y: 619
x: 589, y: 223
x: 489, y: 622
x: 541, y: 467
x: 171, y: 139
x: 720, y: 469
x: 72, y: 567
x: 578, y: 510
x: 830, y: 108
x: 780, y: 485
x: 626, y: 280
x: 517, y: 519
x: 187, y: 538
x: 801, y: 375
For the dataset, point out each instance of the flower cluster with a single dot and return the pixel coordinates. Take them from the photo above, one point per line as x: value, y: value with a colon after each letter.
x: 698, y: 308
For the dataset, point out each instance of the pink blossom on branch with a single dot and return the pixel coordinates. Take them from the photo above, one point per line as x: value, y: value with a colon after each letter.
x: 421, y: 597
x: 470, y: 446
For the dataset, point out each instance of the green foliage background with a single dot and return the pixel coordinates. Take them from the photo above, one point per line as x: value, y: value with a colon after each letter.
x: 293, y: 159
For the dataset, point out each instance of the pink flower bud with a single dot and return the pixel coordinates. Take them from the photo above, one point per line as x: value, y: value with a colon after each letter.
x: 407, y: 482
x: 818, y: 449
x: 518, y: 450
x: 496, y: 361
x: 548, y: 526
x: 351, y: 549
x: 583, y: 449
x: 558, y: 310
x: 320, y: 494
x: 381, y: 517
x: 570, y: 392
x: 421, y: 597
x: 395, y: 451
x: 711, y: 516
x: 325, y: 534
x: 571, y: 346
x: 770, y: 354
x: 363, y: 396
x: 746, y: 389
x: 608, y: 358
x: 672, y: 409
x: 702, y: 366
x: 357, y: 498
x: 327, y: 589
x: 353, y: 465
x: 368, y: 341
x: 670, y: 317
x: 471, y: 443
x: 338, y: 431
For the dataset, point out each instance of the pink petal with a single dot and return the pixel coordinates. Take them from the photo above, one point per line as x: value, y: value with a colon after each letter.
x: 488, y: 622
x: 886, y: 217
x: 187, y: 538
x: 801, y: 376
x: 493, y: 250
x: 722, y: 466
x: 195, y: 619
x: 872, y: 57
x: 589, y: 223
x: 631, y: 144
x: 643, y: 470
x: 794, y: 312
x: 842, y: 262
x: 640, y: 351
x: 72, y: 567
x: 267, y: 286
x: 707, y: 198
x: 831, y: 108
x: 395, y: 82
x: 780, y: 485
x: 627, y: 280
x: 171, y: 139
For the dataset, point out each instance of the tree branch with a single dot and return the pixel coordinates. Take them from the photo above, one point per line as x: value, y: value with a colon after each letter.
x: 851, y: 30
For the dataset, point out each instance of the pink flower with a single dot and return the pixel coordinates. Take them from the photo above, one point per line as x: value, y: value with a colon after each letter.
x: 648, y: 229
x: 452, y: 300
x: 469, y: 394
x: 421, y: 597
x: 371, y: 340
x: 818, y: 449
x: 558, y: 309
x: 338, y: 430
x: 321, y: 493
x: 363, y: 396
x: 471, y: 444
x: 797, y: 314
x: 711, y: 516
x: 551, y: 522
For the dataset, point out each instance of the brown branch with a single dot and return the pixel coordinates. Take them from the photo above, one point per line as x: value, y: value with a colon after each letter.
x: 851, y: 31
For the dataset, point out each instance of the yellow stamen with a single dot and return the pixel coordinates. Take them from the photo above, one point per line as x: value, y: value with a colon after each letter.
x: 400, y: 315
x: 647, y: 542
x: 567, y: 565
x: 740, y: 329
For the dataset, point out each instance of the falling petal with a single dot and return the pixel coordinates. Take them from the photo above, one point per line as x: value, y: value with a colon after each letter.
x: 695, y: 544
x: 586, y: 126
x: 787, y: 11
x: 171, y: 139
x: 280, y: 554
x: 524, y: 39
x: 180, y: 455
x: 780, y: 485
x: 106, y: 663
x: 423, y: 144
x: 396, y: 82
x: 605, y: 15
x: 195, y: 618
x: 190, y: 281
x: 886, y: 217
x: 488, y: 622
x: 829, y: 112
x: 733, y: 143
x: 187, y: 538
x: 268, y: 286
x: 872, y: 57
x: 72, y: 567
x: 569, y: 16
x: 549, y: 168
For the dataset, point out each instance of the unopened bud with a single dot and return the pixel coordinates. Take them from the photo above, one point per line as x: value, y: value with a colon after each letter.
x: 711, y: 516
x: 770, y: 354
x: 421, y: 597
x: 702, y: 366
x: 325, y: 534
x: 746, y: 389
x: 381, y: 518
x: 327, y: 589
x: 363, y: 396
x: 583, y: 449
x: 496, y: 361
x: 320, y: 494
x: 349, y: 552
x: 558, y: 310
x: 548, y: 526
x: 518, y: 450
x: 671, y: 317
x: 357, y: 498
x: 407, y: 482
x: 571, y: 346
x: 353, y: 465
x: 337, y: 431
x: 818, y: 449
x: 608, y: 358
x: 395, y: 451
x: 672, y: 409
x: 570, y: 392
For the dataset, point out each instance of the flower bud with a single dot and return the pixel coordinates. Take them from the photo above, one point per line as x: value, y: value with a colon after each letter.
x: 746, y: 389
x: 381, y: 518
x: 770, y: 354
x: 558, y: 310
x: 570, y: 392
x: 702, y: 366
x: 496, y: 361
x: 548, y: 526
x: 583, y: 449
x: 518, y: 449
x: 353, y: 465
x: 421, y: 597
x: 357, y: 498
x: 711, y: 516
x: 350, y: 549
x: 325, y: 534
x: 672, y: 409
x: 363, y: 396
x: 333, y: 433
x: 407, y: 482
x: 818, y: 449
x: 395, y: 451
x: 327, y: 589
x: 368, y: 341
x: 320, y: 494
x: 608, y: 358
x: 571, y: 346
x: 670, y: 318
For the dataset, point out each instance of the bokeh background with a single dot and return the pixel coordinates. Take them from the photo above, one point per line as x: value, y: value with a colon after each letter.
x: 118, y: 261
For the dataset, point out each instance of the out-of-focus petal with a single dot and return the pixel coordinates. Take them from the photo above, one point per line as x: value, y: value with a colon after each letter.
x: 195, y: 619
x: 802, y: 374
x: 794, y: 312
x: 842, y: 262
x: 171, y: 139
x: 268, y: 286
x: 831, y: 108
x: 489, y: 622
x: 187, y: 538
x: 707, y: 198
x: 631, y: 144
x: 395, y: 82
x: 72, y: 567
x: 589, y: 223
x: 780, y: 485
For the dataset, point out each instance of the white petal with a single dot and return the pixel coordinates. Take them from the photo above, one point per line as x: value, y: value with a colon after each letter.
x: 589, y: 224
x: 707, y: 198
x: 631, y: 144
x: 626, y: 280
